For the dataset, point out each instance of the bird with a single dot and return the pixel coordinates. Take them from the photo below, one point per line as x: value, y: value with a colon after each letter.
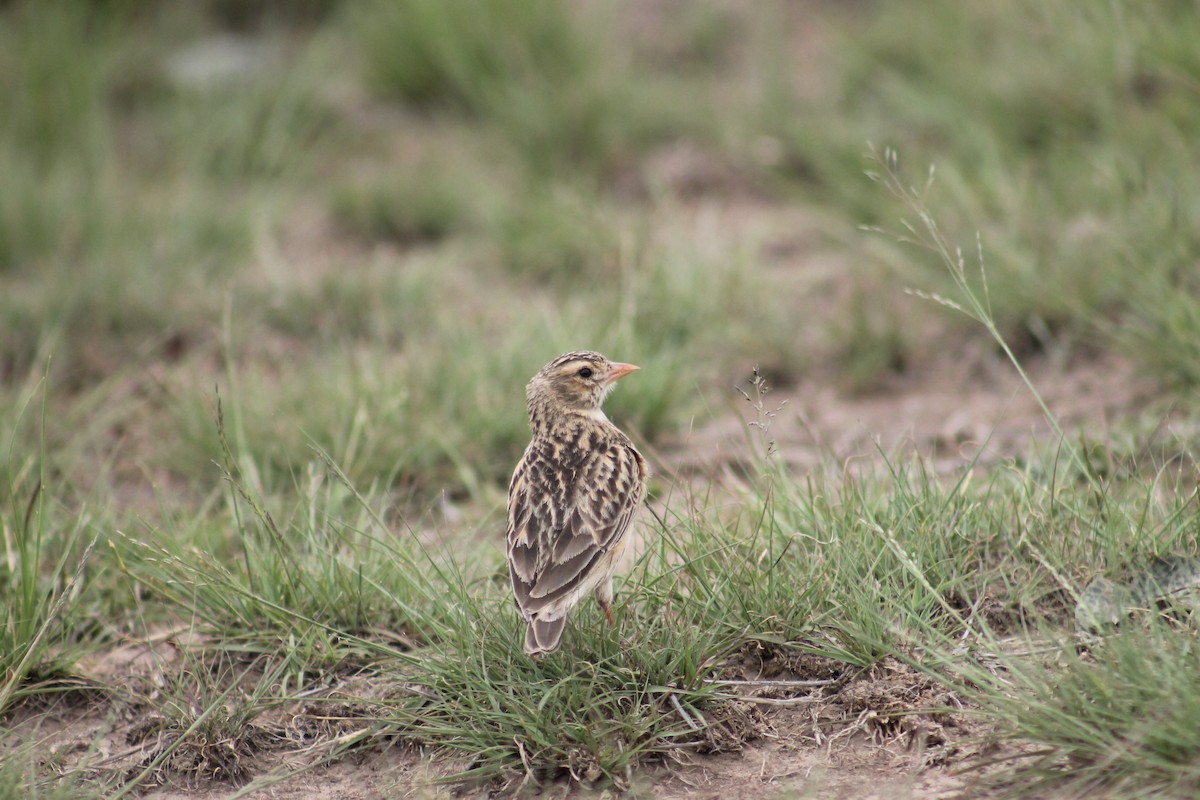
x: 572, y: 497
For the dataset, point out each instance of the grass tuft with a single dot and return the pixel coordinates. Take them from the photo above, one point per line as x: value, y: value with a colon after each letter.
x: 45, y: 555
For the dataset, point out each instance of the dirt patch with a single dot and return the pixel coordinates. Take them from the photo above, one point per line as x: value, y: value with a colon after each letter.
x: 792, y: 722
x: 783, y: 765
x: 833, y: 730
x: 293, y: 750
x: 954, y: 411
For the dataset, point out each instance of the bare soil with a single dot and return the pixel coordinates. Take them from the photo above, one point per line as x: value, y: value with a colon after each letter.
x: 968, y: 408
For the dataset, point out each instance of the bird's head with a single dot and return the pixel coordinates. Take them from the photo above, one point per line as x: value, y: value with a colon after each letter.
x: 573, y: 383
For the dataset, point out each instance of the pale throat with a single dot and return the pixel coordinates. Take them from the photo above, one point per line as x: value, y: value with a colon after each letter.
x: 596, y: 413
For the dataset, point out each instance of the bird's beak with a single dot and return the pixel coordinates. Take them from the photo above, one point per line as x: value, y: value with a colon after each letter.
x: 618, y: 370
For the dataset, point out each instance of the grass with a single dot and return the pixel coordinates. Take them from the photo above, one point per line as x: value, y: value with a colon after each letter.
x: 45, y: 559
x: 56, y: 134
x: 1113, y: 718
x: 406, y: 209
x: 102, y: 245
x: 502, y: 63
x: 263, y: 341
x: 415, y: 358
x: 1015, y: 140
x: 331, y: 592
x: 22, y: 780
x: 857, y: 570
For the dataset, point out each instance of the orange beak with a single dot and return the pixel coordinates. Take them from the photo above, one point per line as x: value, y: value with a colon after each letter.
x: 617, y: 370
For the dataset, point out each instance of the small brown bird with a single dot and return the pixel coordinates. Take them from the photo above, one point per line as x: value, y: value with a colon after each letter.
x: 572, y: 496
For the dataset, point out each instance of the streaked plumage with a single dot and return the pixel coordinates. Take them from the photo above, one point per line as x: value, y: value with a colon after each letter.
x: 572, y: 496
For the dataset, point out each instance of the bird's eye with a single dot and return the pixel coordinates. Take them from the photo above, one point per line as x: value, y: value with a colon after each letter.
x: 586, y: 372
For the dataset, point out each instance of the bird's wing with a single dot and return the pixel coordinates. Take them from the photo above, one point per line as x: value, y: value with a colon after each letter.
x: 559, y: 525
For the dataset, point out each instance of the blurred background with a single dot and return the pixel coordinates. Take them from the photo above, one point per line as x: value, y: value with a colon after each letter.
x: 364, y: 225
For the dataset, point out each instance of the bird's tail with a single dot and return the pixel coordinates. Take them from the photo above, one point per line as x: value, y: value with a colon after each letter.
x: 543, y: 635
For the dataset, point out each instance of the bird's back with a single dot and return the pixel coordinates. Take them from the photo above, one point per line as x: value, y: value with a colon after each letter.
x: 571, y: 500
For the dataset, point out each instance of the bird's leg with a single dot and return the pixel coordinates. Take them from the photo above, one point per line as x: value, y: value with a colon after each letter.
x: 604, y: 598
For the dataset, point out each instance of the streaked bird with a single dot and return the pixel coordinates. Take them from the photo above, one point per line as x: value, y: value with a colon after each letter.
x: 572, y: 496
